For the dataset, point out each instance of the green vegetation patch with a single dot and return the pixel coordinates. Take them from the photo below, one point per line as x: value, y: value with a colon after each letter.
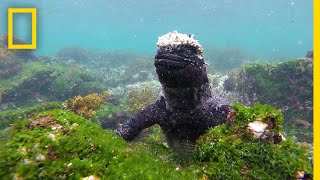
x: 227, y: 152
x: 10, y: 116
x: 61, y: 144
x: 287, y: 86
x: 41, y: 82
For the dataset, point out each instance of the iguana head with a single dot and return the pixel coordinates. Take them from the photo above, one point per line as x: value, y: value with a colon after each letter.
x: 179, y: 61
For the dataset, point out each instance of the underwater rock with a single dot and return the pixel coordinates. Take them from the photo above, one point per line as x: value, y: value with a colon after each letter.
x: 8, y: 66
x: 76, y: 53
x: 60, y: 144
x: 30, y: 88
x: 135, y: 71
x: 287, y: 86
x: 230, y: 152
x: 225, y: 60
x: 11, y: 60
x: 8, y: 117
x: 117, y: 68
x: 114, y: 120
x: 21, y: 54
x: 38, y: 82
x: 186, y: 107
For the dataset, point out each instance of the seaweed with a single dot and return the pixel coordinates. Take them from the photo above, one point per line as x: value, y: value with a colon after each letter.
x: 86, y: 106
x: 8, y: 117
x: 226, y: 152
x: 60, y: 144
x: 48, y: 82
x: 287, y: 86
x: 76, y: 148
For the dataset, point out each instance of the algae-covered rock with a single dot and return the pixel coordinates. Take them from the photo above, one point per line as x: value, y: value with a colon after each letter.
x: 11, y: 59
x: 227, y: 59
x: 287, y: 86
x: 76, y: 54
x: 115, y: 67
x: 8, y: 66
x: 60, y: 144
x: 38, y: 82
x: 22, y: 54
x: 232, y: 152
x: 8, y: 117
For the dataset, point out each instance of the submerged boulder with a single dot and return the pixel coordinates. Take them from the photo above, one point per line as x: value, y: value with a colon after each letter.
x: 236, y: 151
x: 60, y: 144
x: 11, y: 60
x: 23, y: 54
x: 287, y: 86
x: 76, y: 54
x: 8, y: 66
x: 39, y: 82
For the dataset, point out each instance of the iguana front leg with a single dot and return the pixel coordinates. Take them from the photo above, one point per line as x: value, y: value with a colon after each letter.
x: 143, y: 119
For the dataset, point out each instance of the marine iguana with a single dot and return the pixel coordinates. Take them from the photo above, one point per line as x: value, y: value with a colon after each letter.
x: 186, y: 106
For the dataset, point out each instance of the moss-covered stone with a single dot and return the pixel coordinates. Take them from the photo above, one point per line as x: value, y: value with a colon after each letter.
x: 8, y: 66
x: 9, y: 116
x: 224, y: 60
x: 226, y: 152
x: 287, y: 86
x: 61, y: 144
x: 42, y: 82
x: 21, y: 54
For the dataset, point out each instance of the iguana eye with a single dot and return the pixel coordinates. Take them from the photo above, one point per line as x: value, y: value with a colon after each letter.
x: 188, y: 51
x: 168, y: 49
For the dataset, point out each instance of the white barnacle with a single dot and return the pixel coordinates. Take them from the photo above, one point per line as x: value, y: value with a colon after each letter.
x: 40, y: 157
x: 257, y: 128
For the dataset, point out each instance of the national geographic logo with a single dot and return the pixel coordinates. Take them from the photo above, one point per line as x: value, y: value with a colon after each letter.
x: 33, y: 12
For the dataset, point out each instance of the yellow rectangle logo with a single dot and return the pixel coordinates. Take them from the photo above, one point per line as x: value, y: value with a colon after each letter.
x: 33, y: 12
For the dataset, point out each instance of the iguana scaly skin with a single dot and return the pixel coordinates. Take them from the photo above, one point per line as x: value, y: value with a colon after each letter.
x: 186, y: 106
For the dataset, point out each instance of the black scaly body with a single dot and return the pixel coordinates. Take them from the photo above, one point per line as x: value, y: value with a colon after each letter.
x: 186, y: 107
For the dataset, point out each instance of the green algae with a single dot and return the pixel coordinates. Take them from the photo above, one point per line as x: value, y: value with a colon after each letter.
x: 226, y: 152
x: 79, y: 148
x: 275, y: 83
x: 287, y: 86
x: 37, y: 80
x: 60, y: 144
x: 8, y: 117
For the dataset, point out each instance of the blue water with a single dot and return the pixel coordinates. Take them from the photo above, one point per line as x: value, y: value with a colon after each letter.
x: 262, y: 28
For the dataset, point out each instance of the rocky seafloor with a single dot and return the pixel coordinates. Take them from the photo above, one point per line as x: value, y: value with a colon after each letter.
x: 58, y: 113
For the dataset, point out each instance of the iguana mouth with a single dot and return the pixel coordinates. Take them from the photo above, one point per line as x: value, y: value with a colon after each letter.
x: 168, y: 63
